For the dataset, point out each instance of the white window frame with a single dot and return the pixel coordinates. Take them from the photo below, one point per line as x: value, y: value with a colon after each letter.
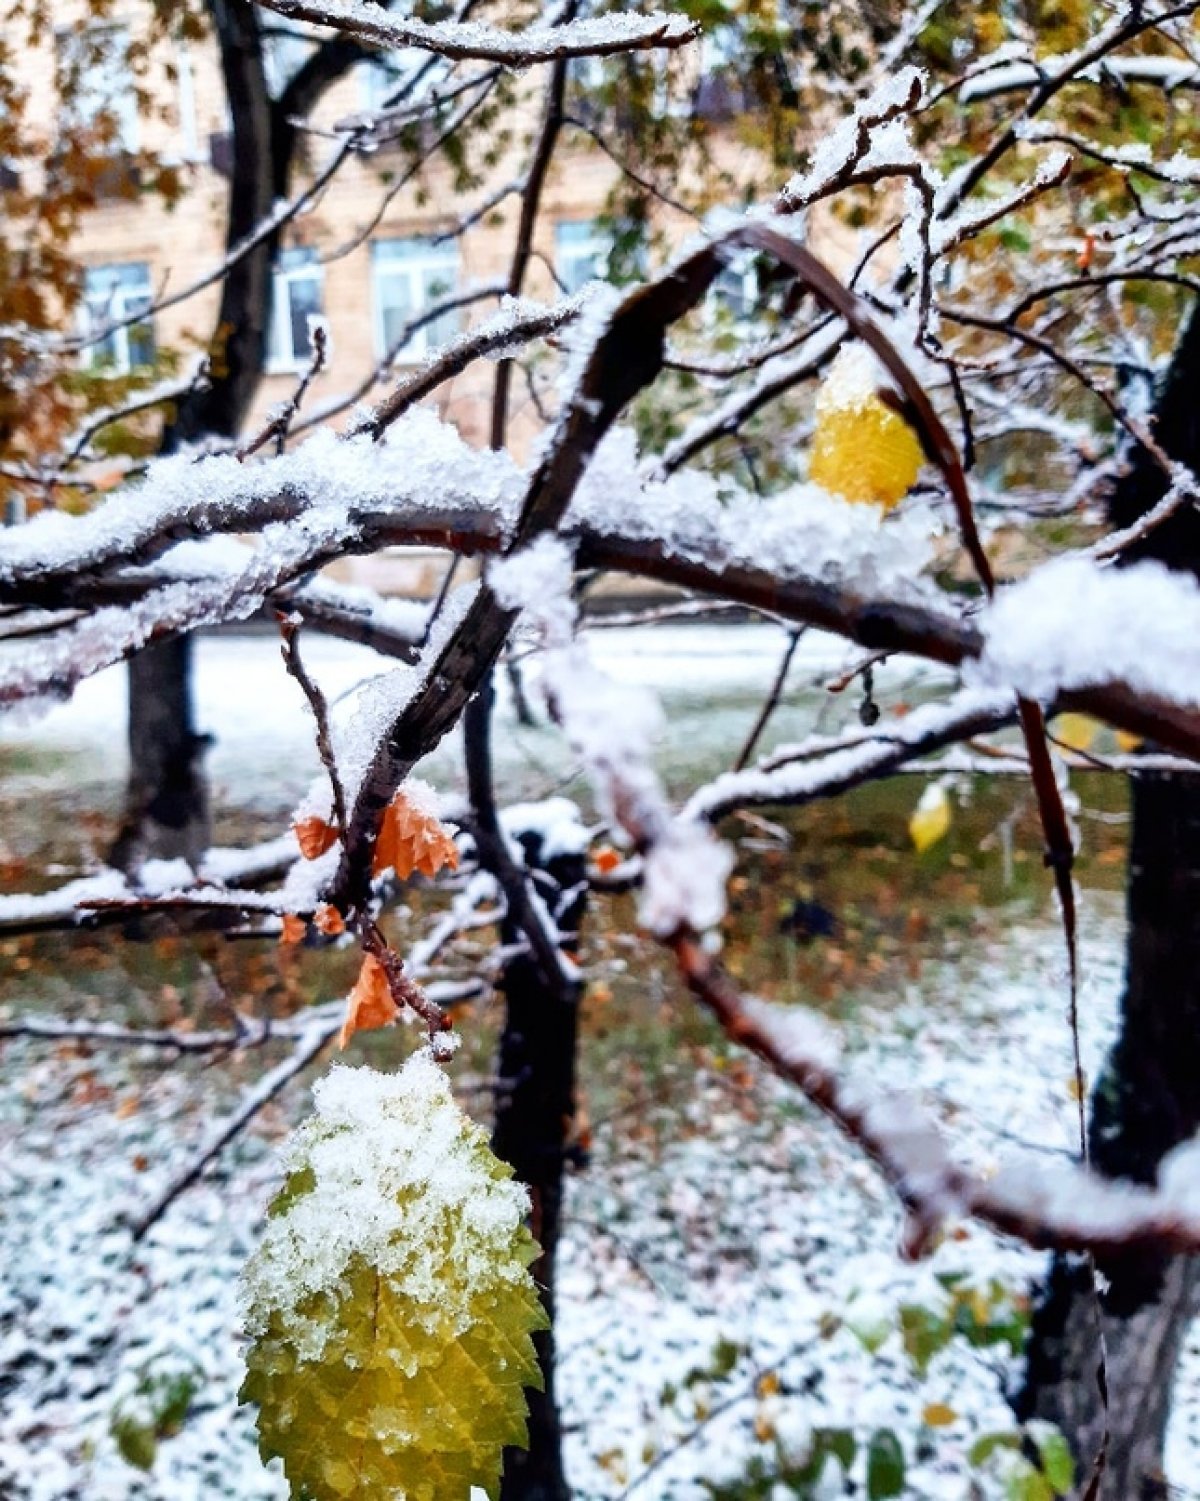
x: 111, y: 292
x: 737, y: 286
x: 286, y: 48
x: 571, y: 252
x: 108, y: 86
x: 295, y: 267
x: 428, y: 271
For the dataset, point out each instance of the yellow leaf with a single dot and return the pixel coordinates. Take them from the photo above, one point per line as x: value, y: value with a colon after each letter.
x: 930, y: 819
x: 862, y: 450
x: 389, y: 1305
x: 1075, y: 731
x: 1128, y: 742
x: 938, y: 1415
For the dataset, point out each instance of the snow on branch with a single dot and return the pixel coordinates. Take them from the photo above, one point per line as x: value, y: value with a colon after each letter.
x: 327, y: 481
x: 794, y: 775
x: 1047, y: 1206
x: 1075, y: 624
x: 597, y: 36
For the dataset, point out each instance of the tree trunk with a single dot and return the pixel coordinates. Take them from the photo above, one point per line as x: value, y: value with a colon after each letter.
x: 535, y: 1113
x: 166, y: 815
x: 1147, y: 1099
x: 535, y: 1094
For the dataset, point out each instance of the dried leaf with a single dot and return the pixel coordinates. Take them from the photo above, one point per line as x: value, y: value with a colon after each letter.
x: 314, y: 836
x: 411, y: 839
x: 328, y: 920
x: 370, y: 1004
x: 938, y: 1415
x: 293, y: 930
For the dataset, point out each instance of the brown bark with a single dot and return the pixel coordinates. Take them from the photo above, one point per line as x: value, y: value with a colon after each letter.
x: 166, y: 807
x: 1147, y: 1099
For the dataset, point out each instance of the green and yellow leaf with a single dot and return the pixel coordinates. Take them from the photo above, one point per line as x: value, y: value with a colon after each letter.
x: 390, y: 1306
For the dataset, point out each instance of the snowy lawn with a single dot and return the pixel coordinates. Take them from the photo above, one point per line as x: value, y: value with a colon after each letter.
x: 729, y: 1282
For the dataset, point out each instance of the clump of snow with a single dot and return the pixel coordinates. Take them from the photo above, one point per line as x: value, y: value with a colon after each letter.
x: 554, y: 822
x: 683, y: 880
x: 1179, y: 1178
x: 1077, y: 624
x: 537, y: 581
x: 853, y: 380
x: 800, y: 1037
x: 395, y: 1170
x: 801, y: 532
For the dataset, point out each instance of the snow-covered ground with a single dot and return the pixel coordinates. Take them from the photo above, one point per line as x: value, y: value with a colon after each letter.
x: 729, y: 1280
x: 726, y: 1264
x: 710, y: 678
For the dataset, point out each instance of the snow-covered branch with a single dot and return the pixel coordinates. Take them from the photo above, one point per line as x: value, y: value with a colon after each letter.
x: 600, y: 36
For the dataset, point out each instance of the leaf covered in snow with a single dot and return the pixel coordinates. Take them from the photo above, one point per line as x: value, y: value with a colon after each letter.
x: 390, y: 1307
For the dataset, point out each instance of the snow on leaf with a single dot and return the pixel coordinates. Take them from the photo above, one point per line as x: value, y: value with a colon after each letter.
x: 390, y: 1305
x: 328, y: 920
x: 862, y: 450
x: 370, y: 1003
x: 411, y: 838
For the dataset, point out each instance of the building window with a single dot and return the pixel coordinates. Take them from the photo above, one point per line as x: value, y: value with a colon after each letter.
x: 737, y: 289
x: 112, y: 294
x: 295, y: 297
x: 286, y: 48
x: 409, y: 276
x: 98, y: 87
x: 580, y: 253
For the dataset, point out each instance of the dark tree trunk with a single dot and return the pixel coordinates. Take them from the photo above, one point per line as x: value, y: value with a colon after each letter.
x: 1147, y: 1099
x: 535, y: 1114
x: 166, y: 813
x: 166, y: 771
x: 535, y: 1088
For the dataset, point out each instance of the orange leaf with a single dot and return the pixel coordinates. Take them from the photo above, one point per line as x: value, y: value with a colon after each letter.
x: 412, y: 839
x: 294, y: 929
x: 314, y: 836
x: 370, y: 1004
x: 328, y: 920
